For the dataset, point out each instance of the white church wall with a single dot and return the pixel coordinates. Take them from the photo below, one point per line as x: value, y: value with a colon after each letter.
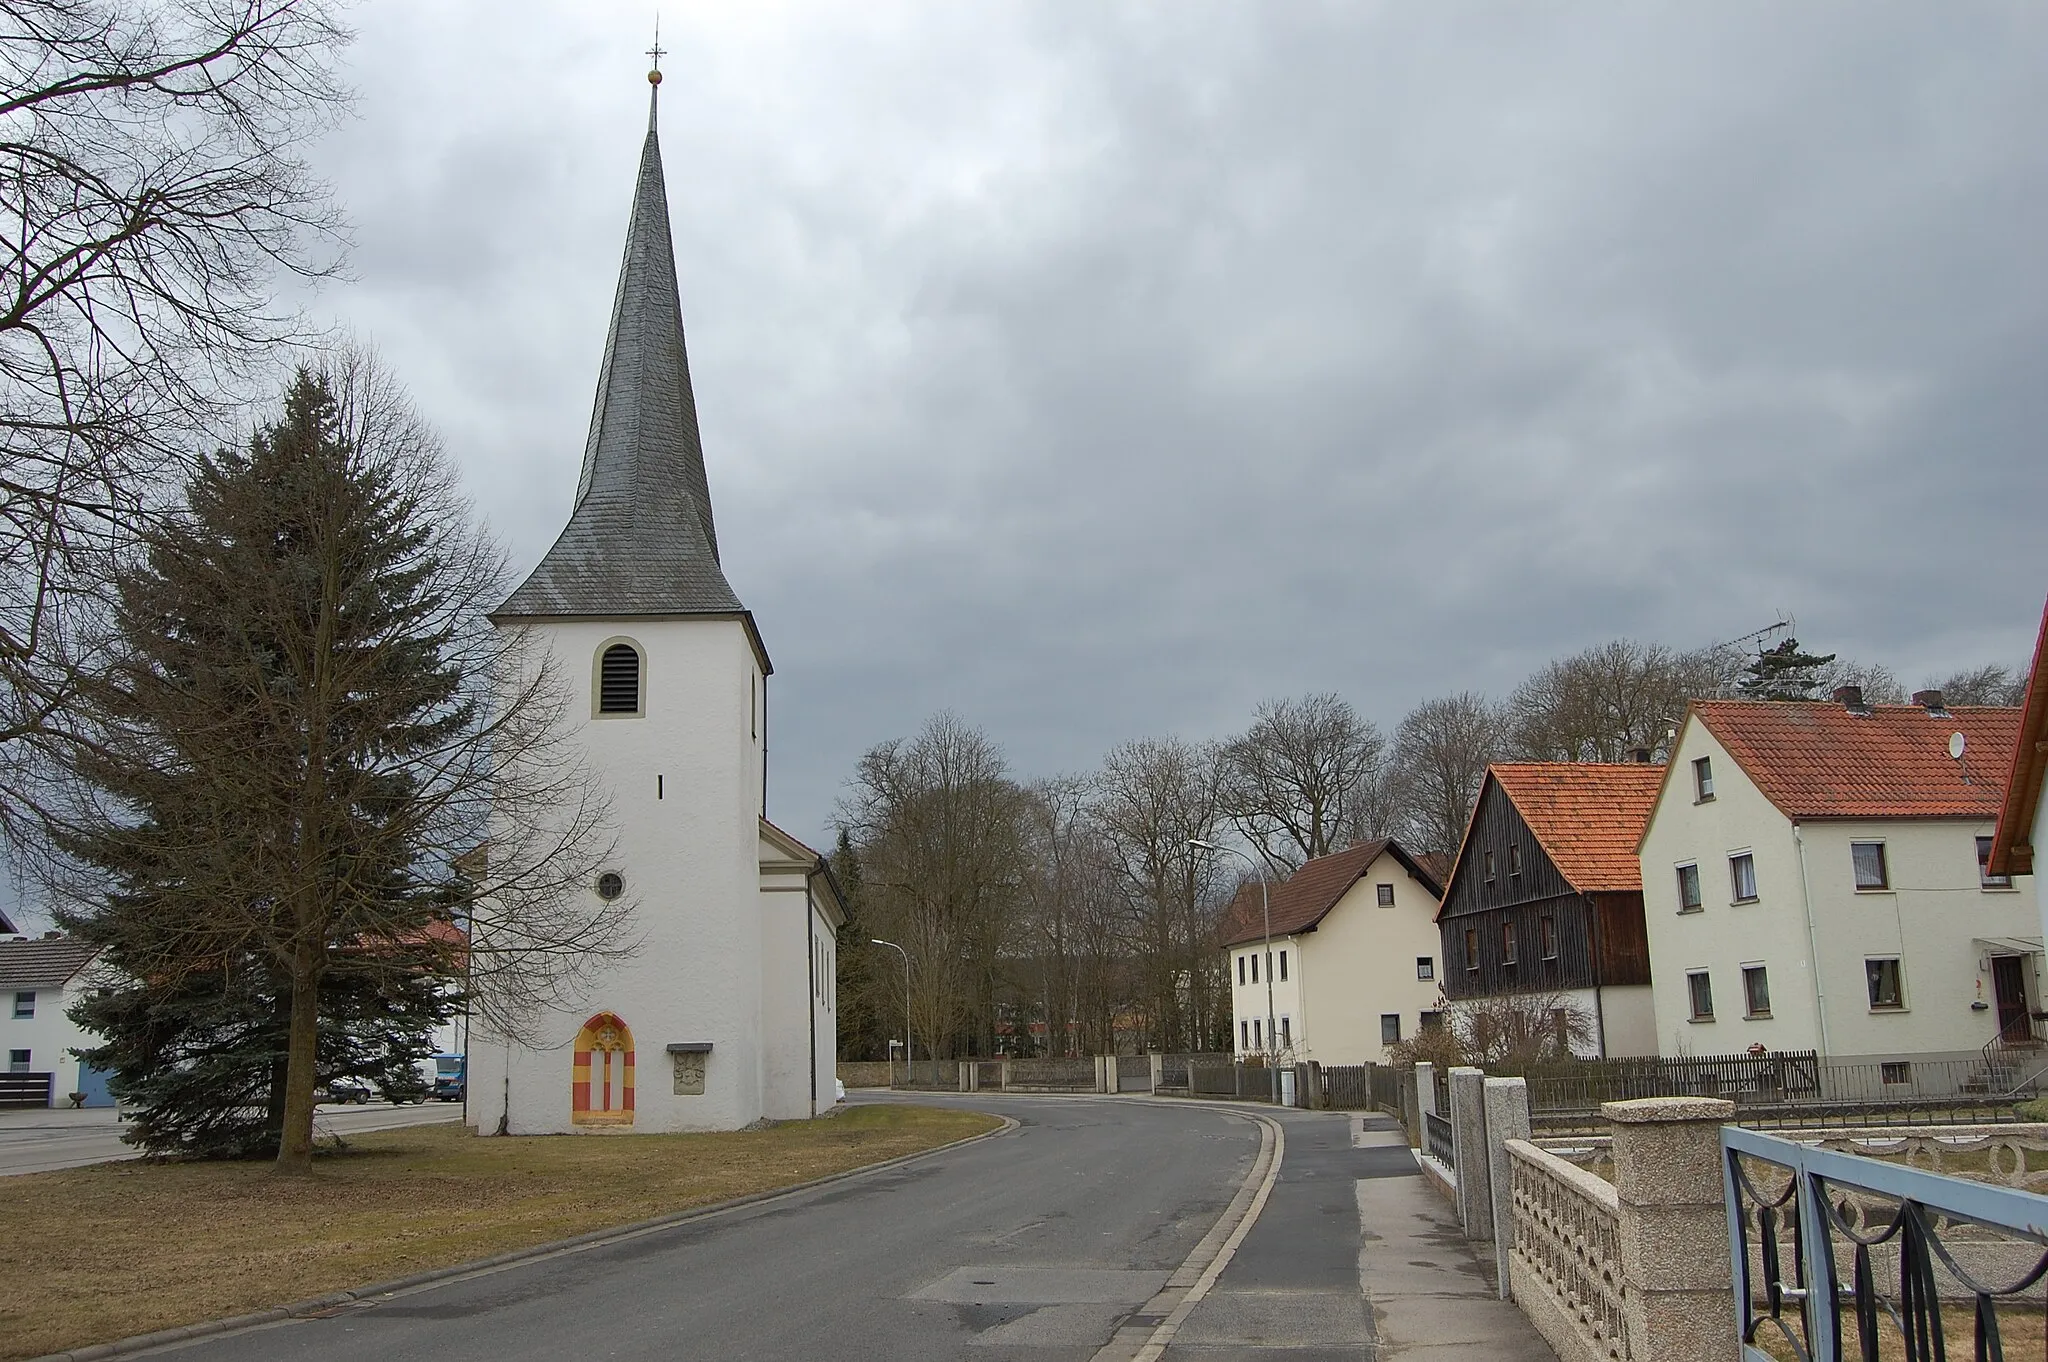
x: 684, y: 783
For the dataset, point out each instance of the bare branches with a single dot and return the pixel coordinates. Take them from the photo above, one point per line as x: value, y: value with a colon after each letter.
x: 1306, y: 779
x: 151, y: 188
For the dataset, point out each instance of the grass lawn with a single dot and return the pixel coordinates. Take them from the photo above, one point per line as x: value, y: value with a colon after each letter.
x: 93, y: 1254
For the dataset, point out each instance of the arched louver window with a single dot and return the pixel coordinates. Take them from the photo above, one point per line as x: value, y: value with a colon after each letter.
x: 618, y: 685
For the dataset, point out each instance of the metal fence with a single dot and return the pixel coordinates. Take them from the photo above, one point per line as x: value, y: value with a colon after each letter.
x: 1436, y: 1139
x: 1780, y: 1086
x: 26, y: 1090
x: 1914, y: 1240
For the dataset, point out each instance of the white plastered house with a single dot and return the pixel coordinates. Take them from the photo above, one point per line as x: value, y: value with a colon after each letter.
x: 2023, y: 816
x: 40, y: 980
x: 1352, y: 965
x: 1815, y: 877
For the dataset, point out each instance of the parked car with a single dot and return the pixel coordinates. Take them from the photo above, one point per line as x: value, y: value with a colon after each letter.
x: 342, y: 1091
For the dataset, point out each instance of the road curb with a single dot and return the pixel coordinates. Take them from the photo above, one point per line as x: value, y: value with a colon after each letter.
x: 123, y: 1347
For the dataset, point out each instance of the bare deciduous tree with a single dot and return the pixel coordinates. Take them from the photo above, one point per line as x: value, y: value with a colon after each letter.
x: 1600, y: 704
x: 1152, y: 798
x: 151, y: 189
x: 1304, y: 780
x: 1992, y: 684
x: 1441, y: 751
x: 940, y: 829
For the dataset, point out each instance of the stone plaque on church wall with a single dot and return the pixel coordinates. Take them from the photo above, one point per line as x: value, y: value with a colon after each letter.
x: 690, y: 1072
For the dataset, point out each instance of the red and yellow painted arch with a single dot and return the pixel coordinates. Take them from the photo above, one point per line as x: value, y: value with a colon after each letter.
x: 601, y: 1079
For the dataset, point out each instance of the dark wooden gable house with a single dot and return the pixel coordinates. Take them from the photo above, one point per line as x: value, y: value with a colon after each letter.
x: 1546, y: 895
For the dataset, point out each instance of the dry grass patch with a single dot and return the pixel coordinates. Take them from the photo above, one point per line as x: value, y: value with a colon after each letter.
x: 98, y: 1253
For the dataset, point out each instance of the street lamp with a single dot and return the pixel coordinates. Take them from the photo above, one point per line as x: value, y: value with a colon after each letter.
x: 1266, y: 907
x: 906, y: 1002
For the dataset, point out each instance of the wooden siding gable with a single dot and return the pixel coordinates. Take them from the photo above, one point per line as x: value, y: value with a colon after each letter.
x: 1497, y: 823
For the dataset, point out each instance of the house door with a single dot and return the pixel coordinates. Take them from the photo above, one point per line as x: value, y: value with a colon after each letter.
x: 2009, y: 983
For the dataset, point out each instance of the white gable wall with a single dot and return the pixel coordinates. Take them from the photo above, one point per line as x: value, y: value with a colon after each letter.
x: 685, y: 788
x: 1359, y: 963
x: 1933, y: 917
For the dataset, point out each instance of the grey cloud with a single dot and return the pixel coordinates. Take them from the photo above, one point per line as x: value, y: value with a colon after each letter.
x: 1099, y: 370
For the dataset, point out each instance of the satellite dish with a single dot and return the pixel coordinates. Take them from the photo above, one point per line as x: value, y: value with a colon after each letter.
x: 1955, y: 746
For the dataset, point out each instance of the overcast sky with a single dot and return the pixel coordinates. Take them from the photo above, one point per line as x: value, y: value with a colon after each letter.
x: 1097, y: 371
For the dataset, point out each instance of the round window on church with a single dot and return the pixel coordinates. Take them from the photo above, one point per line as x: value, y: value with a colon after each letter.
x: 610, y: 885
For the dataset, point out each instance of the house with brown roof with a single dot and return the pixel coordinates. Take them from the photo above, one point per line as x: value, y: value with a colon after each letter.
x: 2023, y: 813
x: 40, y: 979
x: 1340, y: 962
x: 1545, y: 899
x: 1817, y: 877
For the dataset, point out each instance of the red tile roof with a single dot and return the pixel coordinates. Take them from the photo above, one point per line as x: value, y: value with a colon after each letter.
x: 1588, y: 816
x: 1818, y: 760
x: 1306, y: 897
x: 2012, y: 850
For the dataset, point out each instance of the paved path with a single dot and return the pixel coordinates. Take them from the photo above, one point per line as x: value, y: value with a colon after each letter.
x: 1101, y: 1230
x: 41, y: 1140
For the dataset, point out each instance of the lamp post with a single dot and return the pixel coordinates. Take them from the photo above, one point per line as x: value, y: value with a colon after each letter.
x: 1266, y: 908
x: 906, y: 1002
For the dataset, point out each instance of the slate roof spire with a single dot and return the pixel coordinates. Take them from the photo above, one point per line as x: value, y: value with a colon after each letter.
x: 640, y: 540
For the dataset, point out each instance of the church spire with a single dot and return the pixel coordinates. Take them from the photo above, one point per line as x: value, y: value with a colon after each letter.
x: 640, y: 540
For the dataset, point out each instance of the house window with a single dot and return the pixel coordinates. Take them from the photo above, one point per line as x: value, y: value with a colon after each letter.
x: 1546, y: 936
x: 25, y: 1004
x: 1871, y: 871
x: 1896, y: 1071
x: 1886, y: 991
x: 1699, y: 992
x: 1390, y: 1027
x: 1283, y: 967
x: 1507, y: 943
x: 1702, y: 779
x: 1286, y: 1032
x: 1386, y: 894
x: 1255, y: 967
x: 1472, y: 949
x: 1431, y: 1021
x: 1240, y: 969
x: 618, y: 680
x: 1688, y: 889
x: 1425, y: 968
x: 1756, y: 991
x: 1258, y: 1041
x: 1985, y: 879
x: 1514, y: 858
x: 1742, y: 877
x: 17, y: 1061
x: 1244, y: 1035
x: 610, y: 885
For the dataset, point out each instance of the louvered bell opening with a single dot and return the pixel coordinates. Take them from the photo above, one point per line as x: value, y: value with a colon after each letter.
x: 618, y: 689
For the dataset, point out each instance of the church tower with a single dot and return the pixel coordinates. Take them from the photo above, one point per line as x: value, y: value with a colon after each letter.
x: 727, y: 1012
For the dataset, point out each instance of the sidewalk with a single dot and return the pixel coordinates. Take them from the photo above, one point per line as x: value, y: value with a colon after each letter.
x: 45, y: 1139
x: 1354, y: 1258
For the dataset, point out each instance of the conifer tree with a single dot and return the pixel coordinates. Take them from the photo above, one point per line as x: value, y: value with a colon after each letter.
x: 1782, y: 673
x: 307, y: 723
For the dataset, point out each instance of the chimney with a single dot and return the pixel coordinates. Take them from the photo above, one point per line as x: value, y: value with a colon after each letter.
x: 1851, y: 699
x: 53, y: 936
x: 1931, y: 701
x: 1639, y: 755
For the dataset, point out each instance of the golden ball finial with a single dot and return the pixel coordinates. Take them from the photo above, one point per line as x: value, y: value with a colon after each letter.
x: 654, y: 77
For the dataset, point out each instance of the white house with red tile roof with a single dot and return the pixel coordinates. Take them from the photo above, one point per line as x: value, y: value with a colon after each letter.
x: 2023, y: 815
x: 1352, y: 966
x: 1815, y: 878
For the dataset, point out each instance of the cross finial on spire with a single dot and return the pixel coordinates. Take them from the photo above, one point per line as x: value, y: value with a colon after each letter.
x: 656, y: 53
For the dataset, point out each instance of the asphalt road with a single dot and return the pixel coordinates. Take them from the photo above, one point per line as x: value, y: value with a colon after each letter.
x: 1100, y: 1230
x: 42, y: 1140
x: 1036, y: 1245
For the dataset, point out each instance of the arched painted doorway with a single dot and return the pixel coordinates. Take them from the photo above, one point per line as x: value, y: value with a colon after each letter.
x: 601, y: 1083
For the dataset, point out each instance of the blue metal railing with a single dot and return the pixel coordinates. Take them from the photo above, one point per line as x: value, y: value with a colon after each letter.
x: 1818, y: 1190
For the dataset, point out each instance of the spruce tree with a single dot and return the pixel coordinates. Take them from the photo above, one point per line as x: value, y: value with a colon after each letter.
x: 1782, y: 673
x: 281, y: 680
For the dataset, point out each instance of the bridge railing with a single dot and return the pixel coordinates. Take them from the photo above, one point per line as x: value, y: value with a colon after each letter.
x: 1840, y: 1254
